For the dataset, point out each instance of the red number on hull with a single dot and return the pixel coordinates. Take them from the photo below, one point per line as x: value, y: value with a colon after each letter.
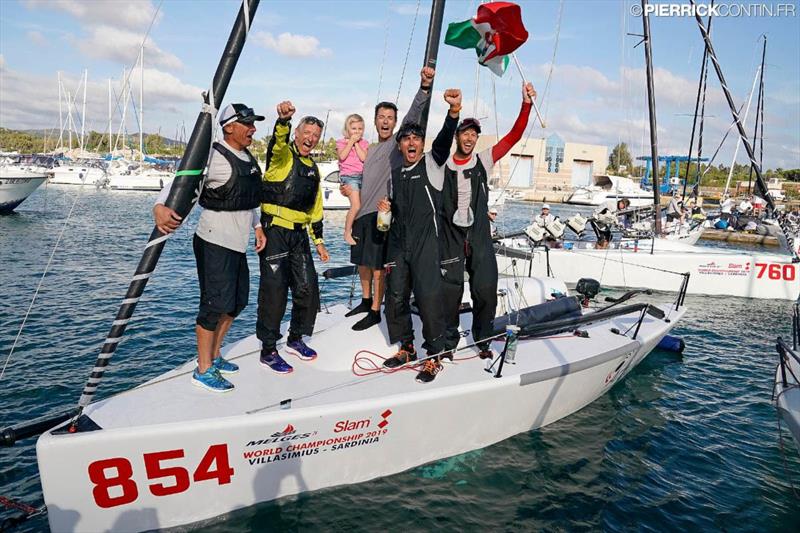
x: 216, y: 454
x: 152, y: 463
x: 122, y: 479
x: 119, y: 488
x: 776, y: 271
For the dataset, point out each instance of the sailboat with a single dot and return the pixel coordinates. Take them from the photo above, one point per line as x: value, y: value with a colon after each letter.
x: 167, y: 454
x: 626, y: 264
x: 786, y: 393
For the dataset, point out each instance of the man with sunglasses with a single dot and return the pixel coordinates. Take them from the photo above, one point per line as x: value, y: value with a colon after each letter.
x: 467, y: 234
x: 291, y: 211
x: 369, y: 252
x: 230, y: 198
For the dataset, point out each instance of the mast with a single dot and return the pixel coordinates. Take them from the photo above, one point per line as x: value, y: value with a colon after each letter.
x: 183, y: 194
x: 83, y: 112
x: 761, y: 187
x: 432, y: 49
x: 109, y: 115
x: 60, y: 115
x: 739, y: 139
x: 69, y: 118
x: 701, y: 86
x: 759, y: 115
x: 141, y: 101
x: 651, y: 105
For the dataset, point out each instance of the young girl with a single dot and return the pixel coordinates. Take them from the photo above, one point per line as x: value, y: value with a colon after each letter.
x: 352, y: 151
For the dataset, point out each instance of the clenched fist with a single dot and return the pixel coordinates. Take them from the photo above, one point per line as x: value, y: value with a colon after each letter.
x: 285, y: 110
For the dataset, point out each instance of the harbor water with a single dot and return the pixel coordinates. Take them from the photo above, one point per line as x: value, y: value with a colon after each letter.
x: 684, y: 443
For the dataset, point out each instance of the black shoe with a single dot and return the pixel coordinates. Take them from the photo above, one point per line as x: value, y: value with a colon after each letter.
x: 372, y: 318
x: 429, y: 371
x: 486, y: 354
x: 402, y: 357
x: 446, y: 355
x: 363, y: 307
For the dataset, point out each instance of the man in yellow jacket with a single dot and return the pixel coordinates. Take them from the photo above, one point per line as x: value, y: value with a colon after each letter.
x: 291, y: 211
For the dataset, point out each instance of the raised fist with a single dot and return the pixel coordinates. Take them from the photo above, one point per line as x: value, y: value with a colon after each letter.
x: 453, y: 97
x: 426, y: 76
x: 285, y: 110
x: 528, y: 92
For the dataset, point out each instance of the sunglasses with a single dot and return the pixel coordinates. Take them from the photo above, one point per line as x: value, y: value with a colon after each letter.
x: 312, y: 120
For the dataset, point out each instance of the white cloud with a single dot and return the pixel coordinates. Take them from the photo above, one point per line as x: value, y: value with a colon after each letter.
x: 131, y: 14
x: 410, y: 9
x: 106, y: 42
x: 288, y: 44
x: 36, y: 37
x: 30, y: 101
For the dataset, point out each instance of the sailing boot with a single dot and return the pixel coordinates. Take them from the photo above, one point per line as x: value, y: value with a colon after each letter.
x: 430, y: 368
x: 404, y: 355
x: 363, y: 307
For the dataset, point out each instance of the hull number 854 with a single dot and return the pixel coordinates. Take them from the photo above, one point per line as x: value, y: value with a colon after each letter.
x: 114, y: 484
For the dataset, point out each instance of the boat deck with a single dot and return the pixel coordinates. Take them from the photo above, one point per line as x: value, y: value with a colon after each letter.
x: 172, y: 398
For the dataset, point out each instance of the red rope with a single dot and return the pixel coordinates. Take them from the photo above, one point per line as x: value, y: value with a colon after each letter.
x: 10, y: 504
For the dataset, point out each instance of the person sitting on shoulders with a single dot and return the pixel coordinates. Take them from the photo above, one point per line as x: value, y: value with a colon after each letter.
x: 352, y: 151
x: 230, y: 200
x: 291, y: 211
x: 413, y: 254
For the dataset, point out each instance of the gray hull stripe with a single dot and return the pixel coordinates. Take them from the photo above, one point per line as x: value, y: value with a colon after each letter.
x: 570, y: 368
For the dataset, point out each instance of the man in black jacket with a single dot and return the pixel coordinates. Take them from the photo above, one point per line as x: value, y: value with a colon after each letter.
x: 413, y: 245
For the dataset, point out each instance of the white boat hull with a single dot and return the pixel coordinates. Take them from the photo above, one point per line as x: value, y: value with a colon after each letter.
x: 716, y: 272
x: 77, y: 175
x: 172, y: 454
x: 137, y: 182
x: 787, y: 398
x: 16, y: 185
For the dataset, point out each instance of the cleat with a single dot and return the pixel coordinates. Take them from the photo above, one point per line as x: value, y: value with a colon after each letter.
x: 224, y: 366
x: 363, y: 307
x: 402, y: 357
x: 211, y: 380
x: 273, y: 360
x: 429, y: 371
x: 301, y: 350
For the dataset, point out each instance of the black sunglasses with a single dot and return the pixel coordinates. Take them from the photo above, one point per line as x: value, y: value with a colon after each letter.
x: 312, y: 120
x: 246, y: 112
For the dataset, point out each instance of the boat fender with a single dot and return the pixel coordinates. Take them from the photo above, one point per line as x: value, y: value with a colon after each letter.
x: 671, y: 344
x: 568, y: 307
x: 721, y: 224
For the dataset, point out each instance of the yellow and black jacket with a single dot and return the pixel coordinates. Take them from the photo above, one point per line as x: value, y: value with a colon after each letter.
x: 283, y: 161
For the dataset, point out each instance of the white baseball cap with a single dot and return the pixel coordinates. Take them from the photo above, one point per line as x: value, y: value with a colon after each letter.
x: 545, y: 206
x: 238, y: 113
x: 493, y: 210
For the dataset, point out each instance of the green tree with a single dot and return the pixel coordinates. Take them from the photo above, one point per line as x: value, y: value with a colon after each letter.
x: 620, y: 158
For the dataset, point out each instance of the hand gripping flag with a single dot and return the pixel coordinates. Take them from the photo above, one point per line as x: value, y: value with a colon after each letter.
x: 494, y: 33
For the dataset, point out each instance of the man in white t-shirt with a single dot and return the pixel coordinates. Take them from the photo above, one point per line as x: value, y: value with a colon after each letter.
x: 231, y: 198
x: 545, y: 217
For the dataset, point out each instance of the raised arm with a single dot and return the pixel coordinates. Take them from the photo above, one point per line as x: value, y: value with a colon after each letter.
x: 421, y: 99
x: 440, y: 149
x: 505, y: 144
x: 278, y: 151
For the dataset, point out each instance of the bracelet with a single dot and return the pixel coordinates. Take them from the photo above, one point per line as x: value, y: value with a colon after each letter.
x: 456, y: 109
x: 425, y: 87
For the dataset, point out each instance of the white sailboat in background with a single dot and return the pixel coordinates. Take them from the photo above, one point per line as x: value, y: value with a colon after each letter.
x: 125, y: 175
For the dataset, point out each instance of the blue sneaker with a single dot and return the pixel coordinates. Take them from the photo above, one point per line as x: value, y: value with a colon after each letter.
x: 273, y: 360
x: 301, y: 350
x: 225, y: 367
x: 211, y: 380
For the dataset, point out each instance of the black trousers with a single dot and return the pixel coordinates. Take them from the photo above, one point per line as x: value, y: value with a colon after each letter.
x: 479, y: 261
x: 285, y: 264
x: 415, y: 269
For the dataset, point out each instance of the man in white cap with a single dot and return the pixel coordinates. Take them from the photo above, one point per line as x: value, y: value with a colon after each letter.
x: 231, y: 198
x: 544, y: 218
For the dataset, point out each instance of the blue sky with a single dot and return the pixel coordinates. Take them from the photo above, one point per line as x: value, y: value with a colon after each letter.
x: 329, y: 55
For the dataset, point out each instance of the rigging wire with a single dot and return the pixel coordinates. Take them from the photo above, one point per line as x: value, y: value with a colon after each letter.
x: 408, y: 52
x: 385, y: 47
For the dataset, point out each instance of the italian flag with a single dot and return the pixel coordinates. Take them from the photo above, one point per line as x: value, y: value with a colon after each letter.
x: 494, y: 33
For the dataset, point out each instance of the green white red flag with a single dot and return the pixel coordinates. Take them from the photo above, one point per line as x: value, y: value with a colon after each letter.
x: 494, y: 33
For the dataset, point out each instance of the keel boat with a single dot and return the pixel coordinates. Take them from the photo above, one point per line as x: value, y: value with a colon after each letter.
x: 167, y: 453
x: 786, y: 394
